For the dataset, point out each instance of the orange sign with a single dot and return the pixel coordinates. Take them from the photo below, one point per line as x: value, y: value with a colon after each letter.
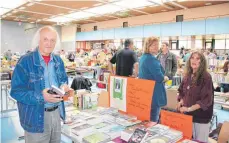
x: 139, y: 97
x: 178, y: 121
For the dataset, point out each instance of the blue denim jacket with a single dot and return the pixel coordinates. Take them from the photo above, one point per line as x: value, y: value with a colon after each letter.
x: 151, y: 69
x: 27, y: 86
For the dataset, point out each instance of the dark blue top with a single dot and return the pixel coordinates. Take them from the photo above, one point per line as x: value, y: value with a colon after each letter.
x: 151, y: 69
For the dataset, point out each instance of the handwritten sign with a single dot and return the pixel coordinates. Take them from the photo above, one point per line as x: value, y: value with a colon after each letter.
x: 139, y: 97
x: 178, y: 121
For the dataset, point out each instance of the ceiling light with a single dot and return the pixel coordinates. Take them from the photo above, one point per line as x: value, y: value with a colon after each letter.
x: 208, y: 3
x: 163, y: 10
x: 130, y: 4
x: 8, y: 14
x: 32, y: 22
x: 30, y: 4
x: 15, y: 11
x: 3, y: 16
x: 98, y: 4
x: 61, y: 14
x: 79, y: 15
x: 71, y: 11
x: 140, y: 7
x: 45, y: 19
x: 60, y: 19
x: 104, y: 9
x: 38, y: 20
x: 8, y: 5
x: 84, y: 8
x: 152, y: 6
x: 22, y: 8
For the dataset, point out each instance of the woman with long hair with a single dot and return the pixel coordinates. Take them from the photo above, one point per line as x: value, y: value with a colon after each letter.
x: 151, y: 69
x: 196, y: 95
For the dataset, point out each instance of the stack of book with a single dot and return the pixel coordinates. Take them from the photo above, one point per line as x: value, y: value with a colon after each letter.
x: 162, y: 133
x: 128, y: 132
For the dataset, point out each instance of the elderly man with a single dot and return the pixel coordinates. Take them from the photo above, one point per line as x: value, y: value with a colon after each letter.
x: 34, y: 74
x: 168, y: 60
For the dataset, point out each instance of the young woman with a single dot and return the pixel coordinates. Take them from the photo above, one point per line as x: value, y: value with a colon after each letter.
x: 196, y: 95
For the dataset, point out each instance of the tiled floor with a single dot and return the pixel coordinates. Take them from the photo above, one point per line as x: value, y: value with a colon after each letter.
x: 11, y: 129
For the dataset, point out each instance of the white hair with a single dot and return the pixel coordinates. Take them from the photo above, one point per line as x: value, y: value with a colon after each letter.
x: 36, y: 38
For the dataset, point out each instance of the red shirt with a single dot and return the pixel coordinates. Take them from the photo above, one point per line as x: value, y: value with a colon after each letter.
x: 46, y: 59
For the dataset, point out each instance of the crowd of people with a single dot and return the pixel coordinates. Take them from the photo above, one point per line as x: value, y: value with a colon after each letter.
x: 37, y: 71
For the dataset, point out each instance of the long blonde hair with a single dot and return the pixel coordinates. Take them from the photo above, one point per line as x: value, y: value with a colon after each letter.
x: 198, y: 76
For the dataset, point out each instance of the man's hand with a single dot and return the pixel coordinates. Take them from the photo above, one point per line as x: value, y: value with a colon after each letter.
x: 67, y: 89
x: 51, y: 97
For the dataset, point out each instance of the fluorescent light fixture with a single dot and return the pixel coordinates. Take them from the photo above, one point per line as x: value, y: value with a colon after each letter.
x: 8, y: 14
x: 30, y: 4
x: 45, y: 19
x: 71, y: 11
x: 80, y: 15
x: 15, y: 11
x: 83, y: 8
x: 32, y: 22
x: 158, y: 2
x: 22, y: 8
x: 3, y: 16
x: 61, y: 14
x: 38, y: 20
x: 98, y: 4
x: 130, y: 4
x: 151, y: 6
x: 208, y: 3
x: 163, y: 10
x: 60, y: 19
x: 140, y: 7
x: 108, y: 8
x: 8, y: 5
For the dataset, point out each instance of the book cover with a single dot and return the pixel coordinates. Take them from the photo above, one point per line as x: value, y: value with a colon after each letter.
x: 159, y: 128
x: 97, y: 137
x: 138, y: 136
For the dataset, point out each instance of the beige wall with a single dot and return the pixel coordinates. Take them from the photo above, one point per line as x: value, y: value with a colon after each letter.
x: 68, y: 33
x: 189, y: 14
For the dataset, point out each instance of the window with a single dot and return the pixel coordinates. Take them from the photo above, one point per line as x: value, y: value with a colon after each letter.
x: 227, y: 44
x: 220, y: 44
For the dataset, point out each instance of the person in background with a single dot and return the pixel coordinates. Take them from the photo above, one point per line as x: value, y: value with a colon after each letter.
x: 71, y: 57
x: 126, y: 60
x: 226, y: 67
x: 168, y: 60
x: 187, y: 55
x: 151, y: 69
x: 33, y: 76
x: 196, y: 95
x: 182, y: 52
x: 8, y: 55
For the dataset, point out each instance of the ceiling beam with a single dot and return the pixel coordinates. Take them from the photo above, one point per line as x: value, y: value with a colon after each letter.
x: 72, y: 9
x: 161, y: 4
x: 178, y: 5
x: 112, y: 3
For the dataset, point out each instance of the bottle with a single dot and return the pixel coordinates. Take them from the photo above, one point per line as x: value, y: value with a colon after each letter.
x: 221, y: 89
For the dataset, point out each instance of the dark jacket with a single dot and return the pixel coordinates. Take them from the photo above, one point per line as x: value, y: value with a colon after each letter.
x: 81, y: 83
x: 170, y: 64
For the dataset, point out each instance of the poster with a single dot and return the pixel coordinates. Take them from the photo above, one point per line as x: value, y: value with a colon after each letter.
x: 118, y: 92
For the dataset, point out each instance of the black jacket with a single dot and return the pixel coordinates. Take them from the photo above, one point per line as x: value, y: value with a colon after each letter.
x: 81, y: 83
